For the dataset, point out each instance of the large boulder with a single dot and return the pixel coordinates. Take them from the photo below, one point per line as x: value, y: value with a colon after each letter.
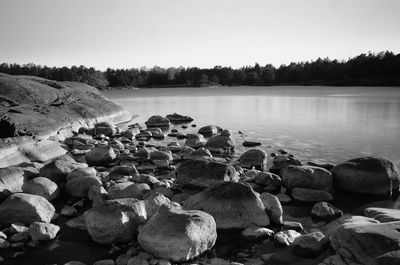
x: 111, y: 223
x: 46, y: 107
x: 11, y: 180
x: 157, y: 121
x: 178, y: 235
x: 81, y: 180
x: 223, y: 143
x: 253, y: 158
x: 101, y: 155
x: 232, y: 204
x: 202, y: 174
x: 41, y: 186
x: 369, y: 175
x: 306, y: 177
x: 362, y: 243
x: 25, y: 208
x: 58, y: 169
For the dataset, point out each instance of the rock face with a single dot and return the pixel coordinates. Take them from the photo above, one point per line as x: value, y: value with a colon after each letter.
x: 38, y: 106
x: 25, y: 208
x: 306, y: 177
x: 253, y: 158
x: 178, y: 235
x: 232, y: 204
x: 41, y: 186
x: 362, y: 243
x: 369, y: 175
x: 11, y: 180
x: 202, y: 174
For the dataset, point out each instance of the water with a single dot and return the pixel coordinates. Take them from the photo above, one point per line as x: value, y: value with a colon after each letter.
x: 323, y: 124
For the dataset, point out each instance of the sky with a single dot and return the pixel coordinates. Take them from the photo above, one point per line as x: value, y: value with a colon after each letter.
x: 201, y: 33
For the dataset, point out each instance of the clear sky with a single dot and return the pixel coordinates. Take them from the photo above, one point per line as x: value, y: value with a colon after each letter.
x: 203, y: 33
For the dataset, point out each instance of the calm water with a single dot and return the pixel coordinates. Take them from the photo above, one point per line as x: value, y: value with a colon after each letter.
x: 325, y: 124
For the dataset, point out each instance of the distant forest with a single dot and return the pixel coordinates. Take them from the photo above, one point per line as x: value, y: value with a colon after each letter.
x: 372, y: 69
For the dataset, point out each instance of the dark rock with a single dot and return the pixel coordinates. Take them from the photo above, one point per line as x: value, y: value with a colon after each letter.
x: 157, y: 121
x: 253, y: 158
x: 306, y: 177
x: 177, y: 118
x: 222, y: 143
x: 60, y: 168
x: 325, y: 211
x: 100, y: 156
x: 327, y: 166
x: 250, y: 144
x: 311, y: 195
x: 280, y: 162
x: 209, y: 130
x: 310, y: 245
x: 383, y: 215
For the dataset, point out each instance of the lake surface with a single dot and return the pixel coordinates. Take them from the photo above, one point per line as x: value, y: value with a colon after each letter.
x: 322, y: 124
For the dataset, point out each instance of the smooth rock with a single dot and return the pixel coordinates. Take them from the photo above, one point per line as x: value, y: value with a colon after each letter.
x: 79, y: 181
x: 306, y: 177
x: 178, y: 235
x: 383, y: 215
x: 273, y: 207
x: 253, y: 158
x: 105, y: 128
x: 178, y: 118
x: 309, y: 245
x: 128, y: 190
x: 194, y: 140
x: 232, y: 204
x: 58, y: 169
x: 209, y: 130
x: 221, y: 144
x: 250, y: 143
x: 11, y: 180
x: 43, y: 231
x: 41, y: 186
x: 157, y: 121
x: 100, y: 156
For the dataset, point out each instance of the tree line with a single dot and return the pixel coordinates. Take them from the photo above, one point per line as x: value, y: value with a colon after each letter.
x: 372, y: 69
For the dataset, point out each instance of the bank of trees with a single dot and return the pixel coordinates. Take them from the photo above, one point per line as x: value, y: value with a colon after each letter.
x: 366, y: 69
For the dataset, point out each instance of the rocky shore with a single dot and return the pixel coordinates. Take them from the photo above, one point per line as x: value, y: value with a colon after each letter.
x: 84, y: 191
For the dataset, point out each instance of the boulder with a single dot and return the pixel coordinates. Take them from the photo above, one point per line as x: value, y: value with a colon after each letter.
x: 310, y: 245
x: 223, y: 143
x: 389, y: 258
x: 178, y: 235
x: 270, y: 181
x: 79, y: 181
x: 111, y: 223
x: 306, y: 177
x: 331, y: 227
x: 285, y: 238
x: 43, y: 187
x: 325, y: 211
x: 58, y: 169
x: 200, y: 154
x: 362, y: 243
x: 157, y: 121
x: 232, y: 204
x: 209, y: 130
x: 383, y: 215
x: 253, y: 158
x: 280, y: 162
x: 273, y: 207
x: 25, y: 208
x: 105, y: 128
x: 310, y: 195
x: 153, y: 202
x: 177, y: 118
x: 368, y: 175
x: 194, y: 140
x: 128, y: 190
x: 11, y: 180
x: 101, y: 155
x: 202, y: 174
x: 43, y: 231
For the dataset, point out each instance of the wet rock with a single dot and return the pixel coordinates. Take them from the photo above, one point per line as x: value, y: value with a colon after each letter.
x: 148, y: 179
x: 79, y: 181
x: 253, y: 158
x: 200, y: 154
x: 11, y: 180
x: 128, y: 190
x: 105, y: 128
x: 232, y: 204
x: 58, y: 169
x: 311, y: 195
x: 280, y: 162
x: 194, y: 140
x: 285, y: 238
x: 118, y: 172
x: 202, y: 174
x: 43, y: 231
x: 161, y: 158
x: 209, y: 130
x: 255, y: 233
x: 273, y: 207
x: 178, y: 235
x: 25, y: 208
x: 306, y: 177
x: 222, y: 143
x: 362, y: 243
x: 327, y: 166
x: 41, y: 186
x: 69, y: 211
x: 310, y: 245
x: 296, y: 226
x: 369, y: 175
x: 250, y: 144
x: 177, y: 118
x: 383, y: 215
x: 270, y: 181
x: 100, y: 156
x: 144, y: 135
x: 325, y: 211
x: 331, y: 227
x: 157, y: 121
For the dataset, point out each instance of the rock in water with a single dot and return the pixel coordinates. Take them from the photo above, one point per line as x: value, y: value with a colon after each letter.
x: 177, y: 118
x: 157, y: 121
x: 362, y: 243
x: 306, y: 177
x: 81, y: 180
x: 62, y: 106
x: 100, y: 156
x: 202, y: 174
x: 58, y: 169
x: 194, y: 140
x: 253, y: 158
x: 222, y: 143
x: 43, y: 231
x: 105, y: 128
x: 232, y: 204
x: 41, y: 186
x: 369, y: 175
x: 209, y: 130
x: 178, y: 235
x: 25, y: 208
x: 11, y: 180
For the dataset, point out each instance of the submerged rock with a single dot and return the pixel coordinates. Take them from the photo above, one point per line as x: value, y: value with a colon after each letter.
x: 202, y: 174
x: 232, y: 204
x: 178, y: 235
x: 369, y: 175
